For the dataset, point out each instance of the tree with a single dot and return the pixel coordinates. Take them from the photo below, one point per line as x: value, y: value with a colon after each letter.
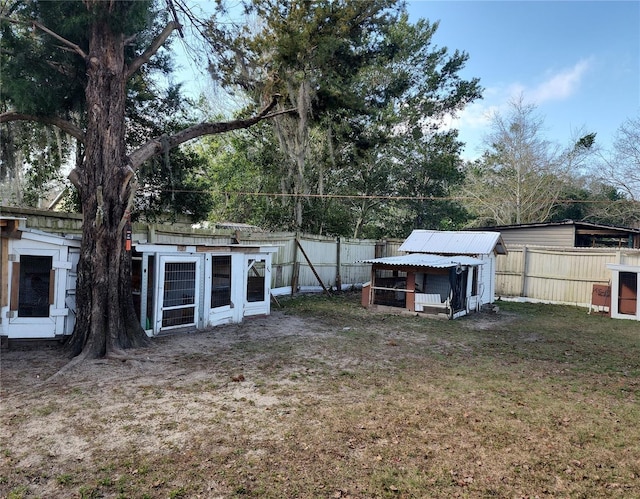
x: 625, y: 165
x: 521, y: 175
x: 364, y: 80
x: 87, y: 55
x: 620, y: 168
x: 590, y: 200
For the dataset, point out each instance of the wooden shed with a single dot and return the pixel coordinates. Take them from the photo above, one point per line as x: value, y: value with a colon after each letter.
x: 441, y: 272
x: 178, y: 287
x: 568, y: 234
x: 37, y: 283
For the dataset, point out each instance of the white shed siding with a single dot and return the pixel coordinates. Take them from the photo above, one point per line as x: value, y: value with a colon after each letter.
x: 486, y: 279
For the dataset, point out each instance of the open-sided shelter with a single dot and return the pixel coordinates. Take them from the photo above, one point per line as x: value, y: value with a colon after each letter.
x: 442, y: 272
x: 568, y: 234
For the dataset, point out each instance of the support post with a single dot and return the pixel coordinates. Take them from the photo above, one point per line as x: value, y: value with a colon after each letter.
x: 523, y: 289
x: 295, y: 274
x: 338, y: 266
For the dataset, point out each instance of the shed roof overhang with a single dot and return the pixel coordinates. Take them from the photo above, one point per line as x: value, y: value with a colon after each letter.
x: 634, y: 269
x: 424, y: 260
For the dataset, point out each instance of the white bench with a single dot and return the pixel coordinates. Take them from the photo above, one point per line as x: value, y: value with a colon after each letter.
x: 429, y: 300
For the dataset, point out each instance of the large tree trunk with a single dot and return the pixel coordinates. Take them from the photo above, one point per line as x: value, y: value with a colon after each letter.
x: 105, y: 323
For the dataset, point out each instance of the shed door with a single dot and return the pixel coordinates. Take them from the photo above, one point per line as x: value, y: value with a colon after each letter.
x: 257, y: 277
x: 628, y: 293
x: 35, y: 286
x: 178, y: 293
x: 36, y: 302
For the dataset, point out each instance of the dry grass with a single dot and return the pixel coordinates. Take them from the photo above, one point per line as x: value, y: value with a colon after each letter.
x: 324, y: 399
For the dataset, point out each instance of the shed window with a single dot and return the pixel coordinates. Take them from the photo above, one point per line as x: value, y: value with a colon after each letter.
x: 221, y: 281
x: 35, y: 281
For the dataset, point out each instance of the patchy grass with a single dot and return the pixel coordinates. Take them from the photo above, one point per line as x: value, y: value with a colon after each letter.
x: 325, y: 399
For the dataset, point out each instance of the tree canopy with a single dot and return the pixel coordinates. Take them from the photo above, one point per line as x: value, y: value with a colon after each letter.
x: 370, y: 88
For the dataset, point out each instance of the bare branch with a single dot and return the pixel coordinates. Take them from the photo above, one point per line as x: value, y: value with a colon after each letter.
x: 68, y: 45
x: 152, y: 49
x: 60, y: 68
x: 64, y: 125
x: 64, y: 41
x: 155, y: 146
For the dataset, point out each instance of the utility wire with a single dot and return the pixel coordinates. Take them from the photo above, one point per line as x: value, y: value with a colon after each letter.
x: 374, y: 196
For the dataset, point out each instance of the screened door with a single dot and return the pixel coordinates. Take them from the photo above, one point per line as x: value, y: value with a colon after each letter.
x: 178, y: 303
x: 257, y: 275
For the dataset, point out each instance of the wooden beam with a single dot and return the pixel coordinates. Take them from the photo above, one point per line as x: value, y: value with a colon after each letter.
x: 312, y: 267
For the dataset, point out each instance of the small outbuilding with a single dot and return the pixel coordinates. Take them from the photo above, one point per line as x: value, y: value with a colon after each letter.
x: 441, y: 272
x: 178, y: 287
x: 625, y: 282
x: 175, y: 287
x: 568, y: 234
x: 37, y: 281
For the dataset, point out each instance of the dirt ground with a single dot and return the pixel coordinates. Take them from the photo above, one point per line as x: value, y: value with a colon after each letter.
x: 159, y: 401
x: 281, y: 406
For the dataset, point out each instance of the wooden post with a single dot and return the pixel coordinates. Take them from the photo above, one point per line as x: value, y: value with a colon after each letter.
x: 523, y: 289
x: 410, y: 296
x: 296, y: 267
x: 338, y: 265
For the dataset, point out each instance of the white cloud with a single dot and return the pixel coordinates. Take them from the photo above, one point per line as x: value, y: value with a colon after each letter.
x: 474, y: 120
x: 559, y: 86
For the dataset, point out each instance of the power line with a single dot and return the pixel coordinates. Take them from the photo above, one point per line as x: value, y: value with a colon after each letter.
x: 377, y: 196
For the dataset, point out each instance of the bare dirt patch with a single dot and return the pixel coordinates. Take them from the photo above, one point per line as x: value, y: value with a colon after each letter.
x: 324, y: 400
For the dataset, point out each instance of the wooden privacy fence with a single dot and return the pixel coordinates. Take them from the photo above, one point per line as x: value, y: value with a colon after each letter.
x: 306, y: 262
x: 303, y: 261
x: 557, y: 275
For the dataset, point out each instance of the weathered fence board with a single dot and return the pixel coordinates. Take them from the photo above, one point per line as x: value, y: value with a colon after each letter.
x: 560, y: 275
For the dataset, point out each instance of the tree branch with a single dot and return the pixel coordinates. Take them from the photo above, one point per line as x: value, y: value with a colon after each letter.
x: 138, y: 62
x: 155, y: 146
x: 64, y: 125
x: 64, y: 41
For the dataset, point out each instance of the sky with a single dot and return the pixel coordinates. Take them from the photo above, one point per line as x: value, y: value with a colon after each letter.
x: 577, y: 62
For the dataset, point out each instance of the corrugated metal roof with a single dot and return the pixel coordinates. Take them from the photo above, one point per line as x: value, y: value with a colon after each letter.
x: 426, y: 260
x: 454, y: 242
x: 576, y: 224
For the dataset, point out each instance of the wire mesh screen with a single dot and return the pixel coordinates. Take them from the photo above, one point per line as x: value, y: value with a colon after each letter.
x: 179, y: 294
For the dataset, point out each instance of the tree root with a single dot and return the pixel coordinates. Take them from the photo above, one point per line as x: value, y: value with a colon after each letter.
x: 79, y: 359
